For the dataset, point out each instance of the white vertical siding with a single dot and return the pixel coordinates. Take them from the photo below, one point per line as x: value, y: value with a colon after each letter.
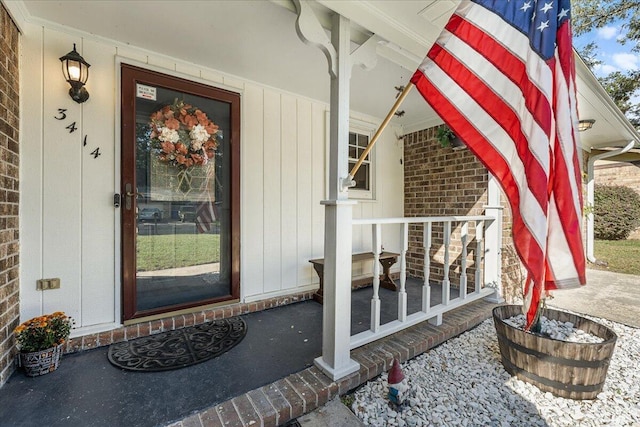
x: 61, y: 181
x: 304, y: 188
x: 252, y: 225
x: 272, y: 278
x: 289, y: 169
x: 98, y: 250
x: 68, y: 221
x: 318, y: 171
x: 31, y: 163
x: 388, y: 200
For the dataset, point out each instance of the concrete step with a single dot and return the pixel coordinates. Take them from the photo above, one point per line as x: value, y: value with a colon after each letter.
x: 333, y: 414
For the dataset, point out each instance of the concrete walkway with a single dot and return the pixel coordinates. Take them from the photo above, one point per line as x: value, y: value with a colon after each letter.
x: 613, y: 296
x: 333, y: 414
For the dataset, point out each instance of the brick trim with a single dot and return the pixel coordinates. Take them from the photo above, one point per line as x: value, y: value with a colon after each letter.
x: 300, y: 393
x: 124, y: 333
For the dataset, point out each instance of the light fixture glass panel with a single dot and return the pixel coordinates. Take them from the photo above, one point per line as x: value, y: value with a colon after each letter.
x: 74, y: 70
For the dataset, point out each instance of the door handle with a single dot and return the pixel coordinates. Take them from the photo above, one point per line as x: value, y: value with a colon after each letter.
x: 129, y: 195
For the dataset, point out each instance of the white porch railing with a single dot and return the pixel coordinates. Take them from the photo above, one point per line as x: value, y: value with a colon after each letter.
x: 432, y: 314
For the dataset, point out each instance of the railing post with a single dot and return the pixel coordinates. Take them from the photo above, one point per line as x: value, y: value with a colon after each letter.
x: 402, y: 293
x: 336, y: 360
x: 426, y: 288
x: 446, y: 284
x: 464, y: 235
x: 493, y: 242
x: 433, y: 315
x: 478, y: 258
x: 376, y: 240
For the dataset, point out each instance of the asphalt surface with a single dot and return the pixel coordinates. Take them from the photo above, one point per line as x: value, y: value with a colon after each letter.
x: 613, y: 296
x: 87, y: 391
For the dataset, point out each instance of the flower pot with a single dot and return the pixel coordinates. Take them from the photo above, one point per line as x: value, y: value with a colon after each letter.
x: 457, y: 144
x: 566, y: 369
x: 41, y: 362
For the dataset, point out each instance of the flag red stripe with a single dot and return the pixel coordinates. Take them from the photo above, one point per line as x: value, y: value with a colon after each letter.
x: 568, y: 216
x: 565, y: 52
x: 526, y: 245
x: 503, y: 80
x: 205, y: 215
x: 502, y: 113
x: 564, y: 195
x: 508, y: 64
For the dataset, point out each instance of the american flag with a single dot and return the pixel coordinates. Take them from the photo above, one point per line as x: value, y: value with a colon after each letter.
x: 502, y: 77
x: 206, y: 214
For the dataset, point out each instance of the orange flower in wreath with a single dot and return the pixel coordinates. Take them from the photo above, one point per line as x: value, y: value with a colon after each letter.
x: 183, y: 135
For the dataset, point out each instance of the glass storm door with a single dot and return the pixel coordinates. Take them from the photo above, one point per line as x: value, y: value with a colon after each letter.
x: 180, y: 194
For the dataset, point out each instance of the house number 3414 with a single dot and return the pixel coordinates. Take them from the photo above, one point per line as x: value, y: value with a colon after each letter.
x: 71, y: 127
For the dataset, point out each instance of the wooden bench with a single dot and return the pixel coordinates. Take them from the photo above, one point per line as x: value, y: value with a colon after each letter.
x: 387, y: 259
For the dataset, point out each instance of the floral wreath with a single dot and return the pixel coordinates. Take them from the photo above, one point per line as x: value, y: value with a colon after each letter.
x: 183, y: 135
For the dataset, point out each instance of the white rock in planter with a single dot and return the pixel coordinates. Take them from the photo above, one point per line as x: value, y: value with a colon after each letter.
x: 562, y: 331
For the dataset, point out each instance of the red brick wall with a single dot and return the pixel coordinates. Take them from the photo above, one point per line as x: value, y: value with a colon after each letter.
x: 9, y: 124
x: 439, y: 182
x: 443, y: 182
x: 619, y: 173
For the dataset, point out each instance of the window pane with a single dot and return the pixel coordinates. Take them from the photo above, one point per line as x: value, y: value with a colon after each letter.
x: 362, y: 178
x: 181, y: 256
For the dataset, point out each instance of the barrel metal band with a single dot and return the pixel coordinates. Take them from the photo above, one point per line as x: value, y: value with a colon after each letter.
x: 556, y: 385
x: 554, y: 359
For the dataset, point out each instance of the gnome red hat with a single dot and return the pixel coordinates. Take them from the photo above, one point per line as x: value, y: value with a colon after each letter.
x: 395, y: 374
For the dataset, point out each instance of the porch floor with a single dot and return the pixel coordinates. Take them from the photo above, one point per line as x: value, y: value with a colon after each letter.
x: 267, y: 379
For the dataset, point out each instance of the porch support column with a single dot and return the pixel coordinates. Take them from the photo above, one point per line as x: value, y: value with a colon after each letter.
x: 493, y: 242
x: 591, y: 194
x: 336, y: 359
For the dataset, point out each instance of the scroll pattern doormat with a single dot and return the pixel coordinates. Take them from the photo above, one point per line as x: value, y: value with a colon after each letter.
x: 178, y: 348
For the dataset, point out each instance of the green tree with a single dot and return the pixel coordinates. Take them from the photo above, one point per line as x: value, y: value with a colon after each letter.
x: 592, y: 14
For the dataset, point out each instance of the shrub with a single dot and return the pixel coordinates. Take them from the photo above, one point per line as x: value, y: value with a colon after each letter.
x: 616, y: 212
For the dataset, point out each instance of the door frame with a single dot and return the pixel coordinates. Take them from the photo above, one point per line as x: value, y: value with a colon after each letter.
x: 129, y: 75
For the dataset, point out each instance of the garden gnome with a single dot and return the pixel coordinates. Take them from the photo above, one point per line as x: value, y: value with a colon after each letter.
x: 397, y: 384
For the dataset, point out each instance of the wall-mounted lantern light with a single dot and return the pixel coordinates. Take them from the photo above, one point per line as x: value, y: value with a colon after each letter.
x: 585, y: 124
x: 76, y: 72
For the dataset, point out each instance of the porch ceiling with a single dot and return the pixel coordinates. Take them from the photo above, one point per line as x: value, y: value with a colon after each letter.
x: 256, y: 40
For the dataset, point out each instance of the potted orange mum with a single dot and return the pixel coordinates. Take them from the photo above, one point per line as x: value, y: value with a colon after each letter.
x: 40, y: 342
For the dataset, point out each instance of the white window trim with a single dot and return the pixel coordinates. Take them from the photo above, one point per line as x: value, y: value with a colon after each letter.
x: 364, y: 128
x: 368, y: 129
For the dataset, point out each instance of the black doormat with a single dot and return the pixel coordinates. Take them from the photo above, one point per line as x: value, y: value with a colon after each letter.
x: 178, y: 348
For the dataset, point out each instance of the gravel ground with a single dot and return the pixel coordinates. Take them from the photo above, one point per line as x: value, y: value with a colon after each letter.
x: 463, y: 383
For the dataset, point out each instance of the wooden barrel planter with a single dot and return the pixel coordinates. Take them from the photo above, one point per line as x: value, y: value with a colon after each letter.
x: 566, y: 369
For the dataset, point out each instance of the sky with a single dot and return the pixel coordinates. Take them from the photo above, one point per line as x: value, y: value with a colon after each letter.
x: 614, y: 56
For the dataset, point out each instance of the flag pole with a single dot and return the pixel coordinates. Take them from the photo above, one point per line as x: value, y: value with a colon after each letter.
x: 383, y: 125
